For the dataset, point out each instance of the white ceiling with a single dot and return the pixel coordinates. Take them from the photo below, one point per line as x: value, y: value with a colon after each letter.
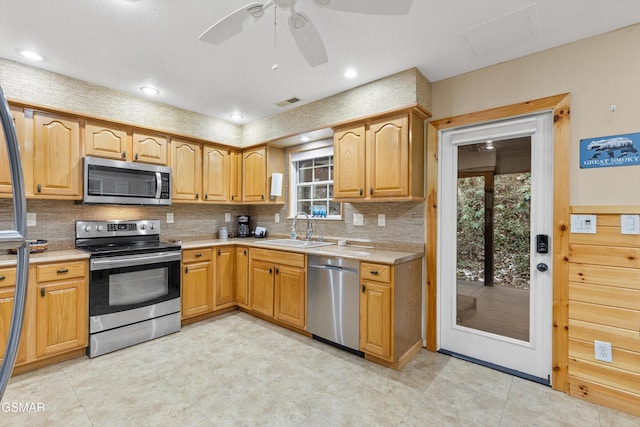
x: 126, y: 44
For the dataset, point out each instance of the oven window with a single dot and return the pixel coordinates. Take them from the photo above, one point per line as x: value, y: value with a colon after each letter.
x: 138, y: 286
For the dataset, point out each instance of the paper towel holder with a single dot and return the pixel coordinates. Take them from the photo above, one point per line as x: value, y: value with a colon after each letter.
x: 276, y: 184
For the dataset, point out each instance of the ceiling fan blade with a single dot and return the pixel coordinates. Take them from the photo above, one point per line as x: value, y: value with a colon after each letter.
x: 368, y: 7
x: 231, y: 24
x: 308, y: 39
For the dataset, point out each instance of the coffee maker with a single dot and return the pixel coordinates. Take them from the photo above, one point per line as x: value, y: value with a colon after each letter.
x: 243, y: 226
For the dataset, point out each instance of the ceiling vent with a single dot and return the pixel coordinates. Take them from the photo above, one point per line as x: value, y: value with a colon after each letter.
x: 287, y: 102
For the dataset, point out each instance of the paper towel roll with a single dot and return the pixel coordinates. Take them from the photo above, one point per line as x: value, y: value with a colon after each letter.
x: 276, y: 185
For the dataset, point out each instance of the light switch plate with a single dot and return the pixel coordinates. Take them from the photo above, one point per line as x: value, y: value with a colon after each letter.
x: 31, y: 219
x: 381, y: 220
x: 227, y: 217
x: 169, y: 218
x: 358, y: 219
x: 629, y: 224
x: 585, y: 224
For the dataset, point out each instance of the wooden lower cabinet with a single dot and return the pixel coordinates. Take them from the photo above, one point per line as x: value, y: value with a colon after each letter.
x: 7, y: 296
x: 390, y: 311
x: 242, y: 277
x: 197, y: 282
x: 225, y: 276
x: 278, y: 285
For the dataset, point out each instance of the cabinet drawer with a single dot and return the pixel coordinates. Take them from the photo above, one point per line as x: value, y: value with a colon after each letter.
x: 278, y: 257
x: 377, y: 272
x: 7, y: 277
x: 193, y: 255
x: 67, y: 270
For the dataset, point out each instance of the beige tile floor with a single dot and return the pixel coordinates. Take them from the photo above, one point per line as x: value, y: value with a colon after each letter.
x: 236, y: 370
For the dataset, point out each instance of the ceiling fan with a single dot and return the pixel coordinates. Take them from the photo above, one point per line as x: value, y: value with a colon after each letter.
x: 304, y: 32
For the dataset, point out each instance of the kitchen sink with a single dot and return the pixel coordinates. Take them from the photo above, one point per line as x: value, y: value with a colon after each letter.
x: 298, y: 243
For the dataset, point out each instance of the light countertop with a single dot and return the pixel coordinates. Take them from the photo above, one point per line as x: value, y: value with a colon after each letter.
x: 46, y: 256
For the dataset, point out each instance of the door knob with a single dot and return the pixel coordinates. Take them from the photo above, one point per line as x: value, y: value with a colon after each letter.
x: 542, y: 266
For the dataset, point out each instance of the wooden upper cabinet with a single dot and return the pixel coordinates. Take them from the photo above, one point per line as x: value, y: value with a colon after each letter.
x: 388, y: 155
x: 254, y: 166
x: 382, y: 159
x: 57, y: 167
x: 215, y: 174
x: 108, y: 142
x: 149, y: 149
x: 5, y: 174
x: 186, y: 161
x: 235, y: 176
x: 349, y: 160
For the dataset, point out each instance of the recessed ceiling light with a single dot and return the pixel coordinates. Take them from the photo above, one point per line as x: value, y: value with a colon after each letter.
x: 236, y: 116
x: 31, y: 55
x: 305, y: 139
x: 150, y: 90
x: 350, y: 73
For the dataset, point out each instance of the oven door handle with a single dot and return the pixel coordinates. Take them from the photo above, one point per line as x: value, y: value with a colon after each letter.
x: 133, y: 260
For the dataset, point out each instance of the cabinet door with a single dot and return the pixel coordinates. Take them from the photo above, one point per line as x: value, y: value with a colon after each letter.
x: 388, y: 156
x: 225, y: 283
x: 262, y: 287
x: 349, y: 163
x: 7, y: 295
x: 57, y: 156
x: 106, y: 142
x: 215, y: 174
x: 149, y: 149
x: 186, y: 160
x: 242, y: 277
x: 291, y: 295
x: 197, y: 289
x: 235, y: 177
x: 61, y: 316
x: 375, y: 319
x: 5, y: 174
x: 254, y: 183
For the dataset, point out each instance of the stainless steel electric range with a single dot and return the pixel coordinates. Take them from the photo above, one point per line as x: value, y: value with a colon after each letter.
x: 134, y: 284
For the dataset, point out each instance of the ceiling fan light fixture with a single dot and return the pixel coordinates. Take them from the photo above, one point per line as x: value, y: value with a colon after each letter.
x: 299, y: 21
x: 256, y: 11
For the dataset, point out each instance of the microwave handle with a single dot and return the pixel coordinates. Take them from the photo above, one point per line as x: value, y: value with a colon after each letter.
x: 158, y: 184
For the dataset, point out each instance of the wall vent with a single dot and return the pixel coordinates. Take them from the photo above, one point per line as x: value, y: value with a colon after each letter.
x: 287, y: 102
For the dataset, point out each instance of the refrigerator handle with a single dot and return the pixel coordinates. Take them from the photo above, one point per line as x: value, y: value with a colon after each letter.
x: 14, y: 239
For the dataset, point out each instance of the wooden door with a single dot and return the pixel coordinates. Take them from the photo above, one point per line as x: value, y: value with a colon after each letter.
x: 242, y: 277
x: 197, y: 289
x: 215, y: 174
x: 7, y: 296
x: 349, y: 163
x: 149, y: 149
x: 57, y: 156
x: 61, y: 316
x: 375, y: 319
x: 186, y: 161
x: 5, y: 174
x: 291, y: 295
x: 262, y: 287
x: 388, y: 157
x: 254, y: 183
x: 101, y: 141
x: 235, y: 177
x: 225, y: 269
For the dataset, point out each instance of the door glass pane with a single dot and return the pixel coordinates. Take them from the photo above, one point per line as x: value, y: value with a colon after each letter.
x: 493, y: 237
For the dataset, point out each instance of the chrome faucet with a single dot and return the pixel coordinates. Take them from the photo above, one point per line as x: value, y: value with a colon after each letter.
x: 309, y: 226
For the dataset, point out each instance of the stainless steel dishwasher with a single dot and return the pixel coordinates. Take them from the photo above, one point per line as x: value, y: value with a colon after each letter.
x: 333, y: 300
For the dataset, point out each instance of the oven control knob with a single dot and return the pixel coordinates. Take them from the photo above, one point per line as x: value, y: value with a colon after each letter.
x: 87, y: 228
x: 143, y: 226
x: 153, y: 226
x: 99, y: 228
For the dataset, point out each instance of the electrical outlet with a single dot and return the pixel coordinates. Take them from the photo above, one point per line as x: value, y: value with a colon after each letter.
x: 358, y: 219
x: 227, y: 217
x: 170, y: 218
x: 276, y: 217
x: 583, y: 224
x: 381, y: 220
x: 31, y: 219
x: 602, y: 351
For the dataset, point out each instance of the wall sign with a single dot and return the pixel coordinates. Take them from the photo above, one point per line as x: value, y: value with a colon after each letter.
x: 610, y: 151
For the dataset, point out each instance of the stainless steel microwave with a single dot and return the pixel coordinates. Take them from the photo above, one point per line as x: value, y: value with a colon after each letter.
x: 125, y: 183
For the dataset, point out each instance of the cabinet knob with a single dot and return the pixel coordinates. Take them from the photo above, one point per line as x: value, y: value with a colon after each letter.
x: 2, y: 277
x: 371, y: 191
x: 262, y: 196
x: 277, y: 270
x: 42, y: 292
x: 197, y: 196
x: 363, y: 288
x: 218, y: 252
x: 186, y: 270
x: 124, y: 154
x: 233, y: 197
x: 270, y: 270
x: 39, y: 188
x: 206, y: 197
x: 136, y: 156
x: 361, y: 191
x: 245, y: 252
x: 198, y: 255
